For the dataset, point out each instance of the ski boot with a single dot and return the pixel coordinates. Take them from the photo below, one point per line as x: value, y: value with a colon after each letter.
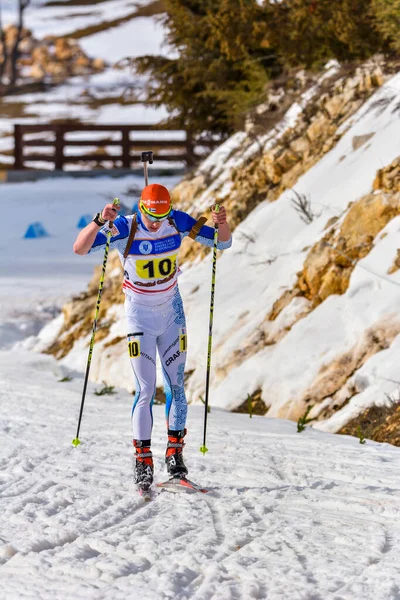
x: 143, y: 467
x: 173, y: 456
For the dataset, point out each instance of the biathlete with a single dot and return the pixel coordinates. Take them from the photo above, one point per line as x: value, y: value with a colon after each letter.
x: 148, y: 243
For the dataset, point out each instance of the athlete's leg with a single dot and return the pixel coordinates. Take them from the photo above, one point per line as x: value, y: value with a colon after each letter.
x: 142, y: 354
x: 172, y: 346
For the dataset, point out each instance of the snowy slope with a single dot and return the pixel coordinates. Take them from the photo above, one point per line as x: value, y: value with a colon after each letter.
x: 268, y: 251
x: 268, y: 266
x: 289, y: 516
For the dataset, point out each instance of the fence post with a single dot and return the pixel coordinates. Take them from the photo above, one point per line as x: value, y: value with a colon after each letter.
x: 190, y: 157
x: 59, y: 148
x: 126, y: 149
x: 18, y: 148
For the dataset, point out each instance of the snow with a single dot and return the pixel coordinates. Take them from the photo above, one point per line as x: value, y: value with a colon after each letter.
x: 135, y: 38
x: 288, y: 515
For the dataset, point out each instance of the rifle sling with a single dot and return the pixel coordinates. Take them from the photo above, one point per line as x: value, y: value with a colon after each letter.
x: 196, y: 227
x: 131, y: 236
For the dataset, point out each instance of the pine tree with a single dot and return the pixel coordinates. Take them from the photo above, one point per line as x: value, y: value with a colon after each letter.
x: 387, y: 21
x: 222, y: 66
x: 227, y: 50
x: 309, y: 32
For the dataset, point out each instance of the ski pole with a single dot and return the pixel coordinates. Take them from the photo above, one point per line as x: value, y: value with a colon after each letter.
x: 76, y: 440
x: 204, y: 448
x: 146, y: 157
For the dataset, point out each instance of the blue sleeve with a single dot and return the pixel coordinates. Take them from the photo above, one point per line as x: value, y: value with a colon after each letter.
x: 119, y: 237
x: 184, y: 224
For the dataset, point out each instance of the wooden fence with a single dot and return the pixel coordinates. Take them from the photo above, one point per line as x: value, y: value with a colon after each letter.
x: 57, y: 139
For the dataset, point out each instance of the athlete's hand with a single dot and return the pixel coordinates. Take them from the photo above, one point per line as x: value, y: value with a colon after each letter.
x: 110, y: 212
x: 220, y: 216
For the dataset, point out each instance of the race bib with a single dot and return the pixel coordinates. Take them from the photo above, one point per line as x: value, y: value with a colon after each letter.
x: 182, y: 340
x: 156, y: 268
x: 133, y: 346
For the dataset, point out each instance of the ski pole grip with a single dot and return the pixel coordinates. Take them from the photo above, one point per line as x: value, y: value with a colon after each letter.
x: 216, y: 209
x: 116, y: 202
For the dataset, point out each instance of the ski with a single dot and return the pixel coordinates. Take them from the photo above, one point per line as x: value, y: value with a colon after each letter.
x: 181, y: 484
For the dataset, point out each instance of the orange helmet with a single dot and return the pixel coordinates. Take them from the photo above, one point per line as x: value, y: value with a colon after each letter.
x: 155, y: 201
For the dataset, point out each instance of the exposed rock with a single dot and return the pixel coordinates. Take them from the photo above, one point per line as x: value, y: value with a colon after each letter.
x: 11, y: 34
x: 65, y: 49
x: 26, y: 45
x: 98, y: 64
x: 41, y: 56
x: 268, y: 171
x: 320, y: 128
x: 115, y: 341
x: 327, y: 270
x: 57, y: 70
x: 360, y: 140
x: 79, y: 312
x: 377, y: 77
x: 396, y: 265
x: 79, y: 70
x: 53, y: 59
x: 335, y: 281
x: 388, y: 179
x: 253, y: 405
x: 378, y: 423
x: 333, y: 376
x: 82, y: 61
x: 301, y: 146
x: 334, y: 106
x: 283, y: 302
x: 37, y: 72
x: 330, y: 262
x: 187, y: 189
x: 287, y: 160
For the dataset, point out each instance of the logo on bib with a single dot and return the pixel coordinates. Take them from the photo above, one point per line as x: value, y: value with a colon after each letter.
x: 145, y: 247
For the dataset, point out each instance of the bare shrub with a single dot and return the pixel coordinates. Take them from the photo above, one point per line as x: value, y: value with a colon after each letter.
x: 302, y: 205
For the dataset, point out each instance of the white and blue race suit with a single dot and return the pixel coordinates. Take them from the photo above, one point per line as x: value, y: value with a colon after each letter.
x: 154, y: 311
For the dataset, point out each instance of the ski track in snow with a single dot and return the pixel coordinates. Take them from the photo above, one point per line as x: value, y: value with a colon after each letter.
x: 289, y: 516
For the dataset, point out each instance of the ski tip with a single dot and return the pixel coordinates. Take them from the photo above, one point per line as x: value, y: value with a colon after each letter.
x: 203, y: 449
x: 76, y: 442
x: 181, y: 484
